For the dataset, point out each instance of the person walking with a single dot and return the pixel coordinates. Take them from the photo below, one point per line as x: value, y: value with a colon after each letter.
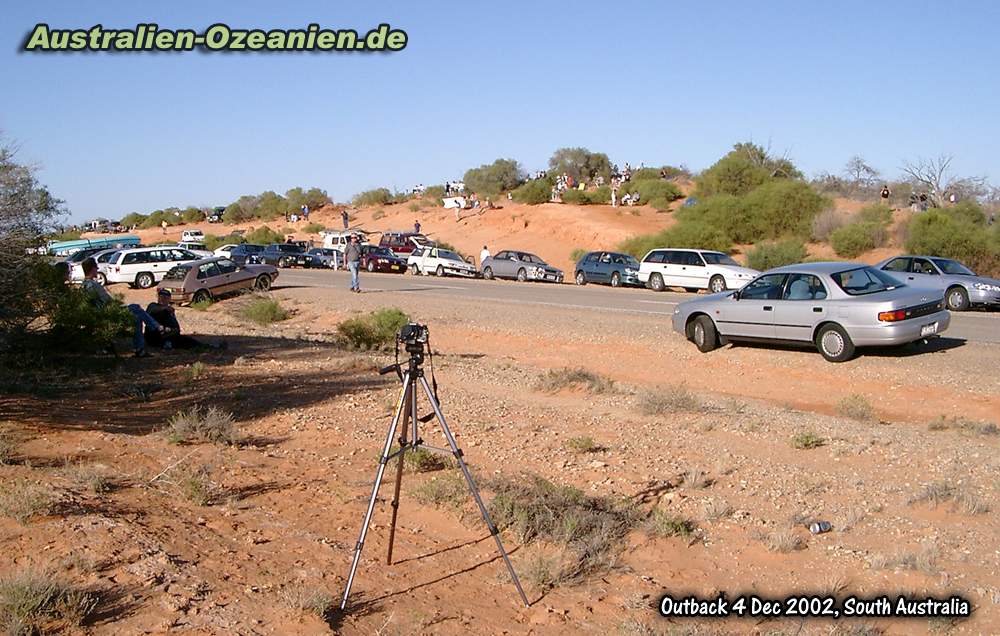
x: 416, y: 227
x: 345, y: 218
x: 483, y: 255
x: 163, y: 226
x: 352, y: 259
x: 885, y: 195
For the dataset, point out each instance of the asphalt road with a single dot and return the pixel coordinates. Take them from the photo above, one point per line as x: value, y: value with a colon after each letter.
x: 973, y: 326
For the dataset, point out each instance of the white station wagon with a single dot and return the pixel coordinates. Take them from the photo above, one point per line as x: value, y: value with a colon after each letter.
x: 143, y: 267
x: 693, y: 270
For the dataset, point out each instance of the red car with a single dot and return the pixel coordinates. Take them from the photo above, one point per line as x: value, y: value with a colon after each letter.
x: 402, y: 243
x: 375, y: 258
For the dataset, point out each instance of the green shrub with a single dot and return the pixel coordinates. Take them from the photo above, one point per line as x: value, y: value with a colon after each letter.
x: 434, y: 194
x: 37, y: 603
x: 598, y: 196
x: 877, y: 214
x: 655, y: 192
x: 234, y: 214
x: 690, y: 234
x: 580, y: 163
x: 192, y: 215
x: 263, y: 236
x: 157, y: 218
x: 378, y: 196
x: 65, y: 236
x: 966, y: 211
x: 492, y: 179
x: 264, y: 311
x: 314, y: 228
x: 746, y: 167
x: 195, y: 425
x: 76, y: 323
x: 777, y: 209
x: 375, y: 330
x: 214, y: 242
x: 663, y: 172
x: 765, y: 256
x: 133, y: 218
x: 936, y: 232
x: 534, y: 192
x: 577, y: 254
x: 853, y: 240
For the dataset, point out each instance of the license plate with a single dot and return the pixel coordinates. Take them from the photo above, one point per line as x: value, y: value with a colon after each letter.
x: 302, y: 261
x: 927, y: 330
x: 395, y: 267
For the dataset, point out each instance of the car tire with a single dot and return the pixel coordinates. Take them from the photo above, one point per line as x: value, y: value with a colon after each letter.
x: 262, y: 284
x: 656, y: 282
x: 414, y: 269
x: 834, y: 344
x: 440, y: 270
x: 371, y: 266
x: 488, y: 273
x: 201, y: 296
x: 616, y: 279
x: 283, y: 263
x: 957, y: 298
x: 102, y: 279
x: 144, y: 280
x: 717, y: 284
x: 704, y: 335
x: 581, y: 278
x: 522, y: 275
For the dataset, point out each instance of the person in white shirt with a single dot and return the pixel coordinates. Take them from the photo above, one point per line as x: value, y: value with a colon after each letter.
x: 483, y: 256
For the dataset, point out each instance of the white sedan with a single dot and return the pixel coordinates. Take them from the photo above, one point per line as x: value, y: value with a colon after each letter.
x: 442, y: 262
x: 225, y: 250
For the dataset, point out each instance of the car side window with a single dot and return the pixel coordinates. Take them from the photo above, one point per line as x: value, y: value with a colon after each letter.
x: 134, y: 258
x: 592, y: 257
x: 693, y: 258
x: 226, y: 266
x: 897, y: 265
x: 804, y: 287
x: 655, y: 257
x: 767, y: 287
x: 923, y: 266
x: 207, y: 269
x: 676, y: 258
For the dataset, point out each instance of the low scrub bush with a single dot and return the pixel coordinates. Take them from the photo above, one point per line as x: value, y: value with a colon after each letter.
x: 675, y: 398
x: 936, y: 232
x: 856, y: 407
x: 449, y: 490
x: 434, y: 194
x: 378, y: 196
x: 665, y: 524
x: 22, y: 499
x: 685, y: 234
x: 556, y: 379
x: 583, y: 444
x: 775, y: 254
x: 807, y: 440
x: 264, y: 311
x: 9, y: 444
x: 577, y: 254
x: 655, y: 192
x: 375, y: 330
x: 303, y: 598
x: 853, y: 240
x: 214, y: 242
x: 534, y: 192
x: 38, y: 603
x: 827, y: 221
x: 202, y: 425
x: 314, y: 228
x: 599, y: 196
x: 378, y: 214
x: 263, y: 236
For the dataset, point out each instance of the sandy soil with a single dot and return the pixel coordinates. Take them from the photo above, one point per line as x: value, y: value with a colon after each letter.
x: 285, y: 504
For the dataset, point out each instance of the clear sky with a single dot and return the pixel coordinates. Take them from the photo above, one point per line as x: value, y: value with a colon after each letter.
x: 654, y: 82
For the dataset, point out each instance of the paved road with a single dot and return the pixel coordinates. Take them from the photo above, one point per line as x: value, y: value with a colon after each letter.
x: 972, y: 326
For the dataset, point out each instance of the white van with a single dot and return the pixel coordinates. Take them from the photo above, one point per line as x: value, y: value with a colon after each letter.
x: 192, y: 236
x: 145, y: 266
x: 693, y: 270
x: 339, y: 240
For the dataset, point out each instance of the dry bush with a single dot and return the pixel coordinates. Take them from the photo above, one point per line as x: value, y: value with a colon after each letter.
x: 542, y: 569
x: 969, y: 503
x: 695, y: 478
x: 36, y: 602
x: 264, y: 311
x: 447, y: 491
x: 557, y: 379
x: 303, y: 598
x: 807, y: 440
x: 675, y: 398
x: 195, y: 485
x: 716, y: 509
x: 9, y: 444
x: 584, y: 444
x: 195, y: 371
x: 856, y: 407
x: 22, y: 500
x: 852, y: 517
x: 924, y: 560
x: 90, y: 477
x: 202, y: 425
x: 664, y: 524
x: 422, y: 460
x: 962, y: 424
x: 827, y: 222
x: 934, y: 493
x: 784, y: 541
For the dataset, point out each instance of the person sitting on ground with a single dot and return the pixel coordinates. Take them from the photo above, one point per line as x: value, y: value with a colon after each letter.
x: 100, y: 297
x: 163, y: 312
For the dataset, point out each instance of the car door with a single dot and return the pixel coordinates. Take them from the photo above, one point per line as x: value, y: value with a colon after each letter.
x: 749, y: 313
x: 501, y: 264
x: 923, y: 273
x: 673, y: 275
x: 159, y: 263
x: 232, y: 278
x: 208, y: 277
x: 898, y: 268
x: 693, y: 271
x: 603, y: 268
x: 653, y: 263
x: 591, y: 267
x: 802, y: 306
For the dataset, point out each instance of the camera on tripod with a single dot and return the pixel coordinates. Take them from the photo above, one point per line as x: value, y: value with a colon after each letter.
x: 413, y: 336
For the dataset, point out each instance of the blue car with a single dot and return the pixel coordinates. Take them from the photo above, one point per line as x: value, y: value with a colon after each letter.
x: 246, y: 254
x: 609, y: 268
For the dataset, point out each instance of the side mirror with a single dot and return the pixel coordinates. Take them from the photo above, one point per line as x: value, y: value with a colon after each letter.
x: 736, y: 295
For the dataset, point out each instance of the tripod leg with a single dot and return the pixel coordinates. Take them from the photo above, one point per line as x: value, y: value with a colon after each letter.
x: 473, y: 489
x: 407, y: 390
x: 409, y: 410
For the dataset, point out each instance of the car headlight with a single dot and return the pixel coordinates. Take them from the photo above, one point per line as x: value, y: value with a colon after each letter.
x: 986, y: 287
x: 630, y: 271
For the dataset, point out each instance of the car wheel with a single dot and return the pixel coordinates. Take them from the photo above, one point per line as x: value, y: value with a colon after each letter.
x: 262, y: 284
x: 581, y: 278
x: 616, y: 279
x: 144, y: 280
x: 522, y: 275
x: 440, y: 270
x: 201, y: 296
x: 656, y: 282
x: 102, y: 279
x: 282, y: 263
x: 717, y: 284
x: 957, y: 298
x: 704, y: 335
x: 414, y: 269
x: 371, y: 266
x: 834, y: 343
x: 488, y: 273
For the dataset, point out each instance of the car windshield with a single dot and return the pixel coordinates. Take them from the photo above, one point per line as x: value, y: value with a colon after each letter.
x: 955, y: 268
x: 451, y: 256
x: 290, y: 248
x: 178, y: 272
x: 382, y: 251
x: 864, y: 280
x: 718, y: 258
x: 531, y: 258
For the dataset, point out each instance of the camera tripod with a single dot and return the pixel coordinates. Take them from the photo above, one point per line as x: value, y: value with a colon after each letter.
x: 406, y: 414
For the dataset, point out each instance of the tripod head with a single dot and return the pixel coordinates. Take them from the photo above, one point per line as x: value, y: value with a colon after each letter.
x: 415, y: 339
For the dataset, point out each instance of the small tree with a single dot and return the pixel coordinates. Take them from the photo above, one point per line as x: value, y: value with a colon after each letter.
x: 935, y: 178
x: 492, y: 179
x: 859, y: 173
x: 580, y: 163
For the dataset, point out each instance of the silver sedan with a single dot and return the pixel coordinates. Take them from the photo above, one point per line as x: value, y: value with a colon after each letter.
x: 961, y: 287
x: 834, y: 306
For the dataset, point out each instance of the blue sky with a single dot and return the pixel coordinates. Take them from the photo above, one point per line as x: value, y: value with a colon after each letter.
x: 653, y: 82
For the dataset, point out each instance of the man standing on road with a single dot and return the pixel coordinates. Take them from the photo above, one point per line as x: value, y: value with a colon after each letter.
x: 483, y: 255
x: 352, y: 259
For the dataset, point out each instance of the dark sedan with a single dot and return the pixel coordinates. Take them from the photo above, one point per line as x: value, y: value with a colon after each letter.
x: 286, y: 255
x: 610, y: 268
x: 245, y: 253
x: 375, y: 258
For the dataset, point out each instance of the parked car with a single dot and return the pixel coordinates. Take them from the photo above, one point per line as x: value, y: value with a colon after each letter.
x: 521, y: 266
x: 428, y: 260
x: 76, y: 259
x: 210, y: 278
x: 286, y: 255
x: 339, y: 240
x: 224, y: 250
x: 196, y: 247
x: 835, y: 306
x: 693, y: 270
x: 402, y: 243
x: 381, y: 259
x: 246, y: 253
x: 100, y: 257
x: 961, y: 286
x: 326, y: 257
x: 192, y: 236
x: 143, y: 267
x: 215, y: 216
x: 607, y: 267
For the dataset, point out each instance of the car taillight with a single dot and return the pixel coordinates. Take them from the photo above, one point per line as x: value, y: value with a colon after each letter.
x: 892, y: 316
